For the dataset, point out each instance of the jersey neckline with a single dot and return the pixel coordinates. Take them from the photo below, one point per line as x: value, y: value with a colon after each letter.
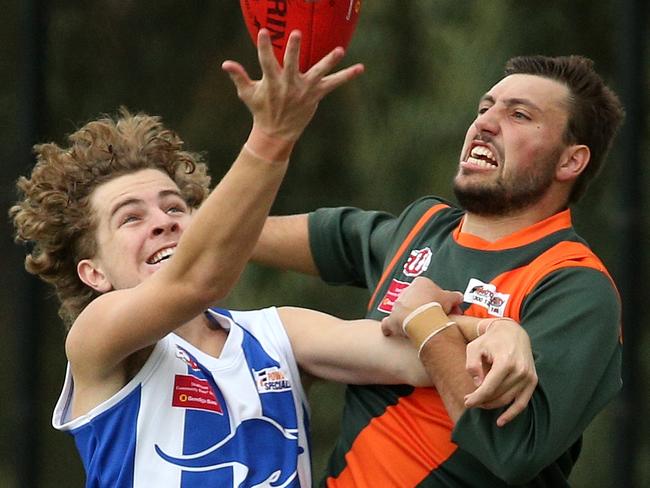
x: 527, y: 235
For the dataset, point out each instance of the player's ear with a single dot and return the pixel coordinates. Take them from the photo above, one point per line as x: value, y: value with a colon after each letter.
x: 92, y: 275
x: 573, y: 161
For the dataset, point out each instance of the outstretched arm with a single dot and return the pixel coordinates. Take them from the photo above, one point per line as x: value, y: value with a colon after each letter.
x: 350, y: 351
x: 284, y: 244
x: 217, y: 244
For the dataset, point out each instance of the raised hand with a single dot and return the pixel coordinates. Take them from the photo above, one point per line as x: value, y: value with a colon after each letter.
x: 284, y: 100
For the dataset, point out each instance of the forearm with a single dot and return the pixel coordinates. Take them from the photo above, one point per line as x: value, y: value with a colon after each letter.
x: 499, y: 363
x: 284, y: 244
x: 353, y: 352
x: 443, y: 357
x: 215, y: 248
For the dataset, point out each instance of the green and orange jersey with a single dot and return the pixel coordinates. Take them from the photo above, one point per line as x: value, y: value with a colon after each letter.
x: 545, y: 277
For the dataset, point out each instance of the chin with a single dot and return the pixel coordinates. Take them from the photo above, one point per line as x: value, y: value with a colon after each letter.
x: 466, y: 184
x: 152, y: 268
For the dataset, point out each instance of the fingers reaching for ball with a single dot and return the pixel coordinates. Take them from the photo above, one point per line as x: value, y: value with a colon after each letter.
x: 284, y: 100
x: 323, y: 26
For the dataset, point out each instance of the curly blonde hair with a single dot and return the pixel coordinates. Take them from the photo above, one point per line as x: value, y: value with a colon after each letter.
x: 54, y: 213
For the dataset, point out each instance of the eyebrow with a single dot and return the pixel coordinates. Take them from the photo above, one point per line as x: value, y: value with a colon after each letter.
x: 135, y: 201
x: 509, y: 102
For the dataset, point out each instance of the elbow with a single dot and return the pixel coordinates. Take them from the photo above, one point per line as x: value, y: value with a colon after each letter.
x: 520, y: 465
x: 514, y: 453
x: 517, y: 471
x: 202, y: 282
x: 201, y: 294
x: 417, y: 377
x: 220, y: 290
x: 212, y: 293
x: 212, y: 286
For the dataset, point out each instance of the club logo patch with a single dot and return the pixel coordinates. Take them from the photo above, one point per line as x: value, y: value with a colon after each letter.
x: 186, y: 357
x: 486, y: 296
x: 195, y: 393
x: 271, y: 380
x: 394, y: 289
x: 417, y: 262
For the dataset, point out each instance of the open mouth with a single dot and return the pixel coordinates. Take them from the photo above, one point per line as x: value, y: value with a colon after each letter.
x: 482, y: 156
x: 161, y: 255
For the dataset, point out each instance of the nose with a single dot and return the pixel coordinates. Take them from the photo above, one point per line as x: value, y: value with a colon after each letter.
x: 163, y: 223
x: 487, y: 122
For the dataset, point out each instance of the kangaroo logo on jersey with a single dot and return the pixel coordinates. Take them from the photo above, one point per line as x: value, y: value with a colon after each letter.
x: 486, y: 296
x: 271, y: 380
x: 275, y: 465
x: 417, y: 262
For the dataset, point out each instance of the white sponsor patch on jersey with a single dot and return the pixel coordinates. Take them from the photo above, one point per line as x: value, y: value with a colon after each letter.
x: 486, y: 295
x: 271, y: 380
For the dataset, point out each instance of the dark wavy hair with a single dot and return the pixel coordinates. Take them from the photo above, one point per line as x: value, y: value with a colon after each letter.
x: 54, y: 213
x: 595, y: 112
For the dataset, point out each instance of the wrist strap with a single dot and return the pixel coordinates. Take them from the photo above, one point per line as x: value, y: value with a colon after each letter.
x: 257, y: 156
x: 425, y: 322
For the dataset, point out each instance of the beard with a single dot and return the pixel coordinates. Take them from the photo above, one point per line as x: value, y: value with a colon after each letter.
x: 507, y: 195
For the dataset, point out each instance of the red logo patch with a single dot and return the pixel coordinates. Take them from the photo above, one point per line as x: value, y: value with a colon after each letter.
x: 394, y: 289
x: 196, y: 393
x: 417, y: 262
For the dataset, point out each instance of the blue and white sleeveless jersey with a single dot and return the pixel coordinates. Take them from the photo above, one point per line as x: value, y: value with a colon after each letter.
x: 188, y: 419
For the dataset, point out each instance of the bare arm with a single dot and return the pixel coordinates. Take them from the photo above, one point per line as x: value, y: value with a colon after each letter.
x: 215, y: 247
x: 444, y: 359
x: 350, y: 351
x: 284, y: 244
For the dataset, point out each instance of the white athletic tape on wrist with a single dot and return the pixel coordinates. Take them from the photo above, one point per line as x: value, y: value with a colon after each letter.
x: 424, y: 323
x: 435, y: 332
x: 257, y: 156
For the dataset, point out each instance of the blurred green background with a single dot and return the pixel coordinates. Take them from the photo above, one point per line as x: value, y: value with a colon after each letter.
x: 388, y: 137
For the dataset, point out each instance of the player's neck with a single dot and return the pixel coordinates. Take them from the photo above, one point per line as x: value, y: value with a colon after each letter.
x: 495, y: 227
x: 202, y: 334
x: 492, y: 228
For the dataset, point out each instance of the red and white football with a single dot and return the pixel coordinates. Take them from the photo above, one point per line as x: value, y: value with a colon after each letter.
x: 325, y: 24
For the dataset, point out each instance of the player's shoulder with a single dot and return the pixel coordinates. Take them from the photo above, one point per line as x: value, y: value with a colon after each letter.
x: 429, y: 205
x: 252, y: 320
x: 572, y: 254
x: 427, y: 211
